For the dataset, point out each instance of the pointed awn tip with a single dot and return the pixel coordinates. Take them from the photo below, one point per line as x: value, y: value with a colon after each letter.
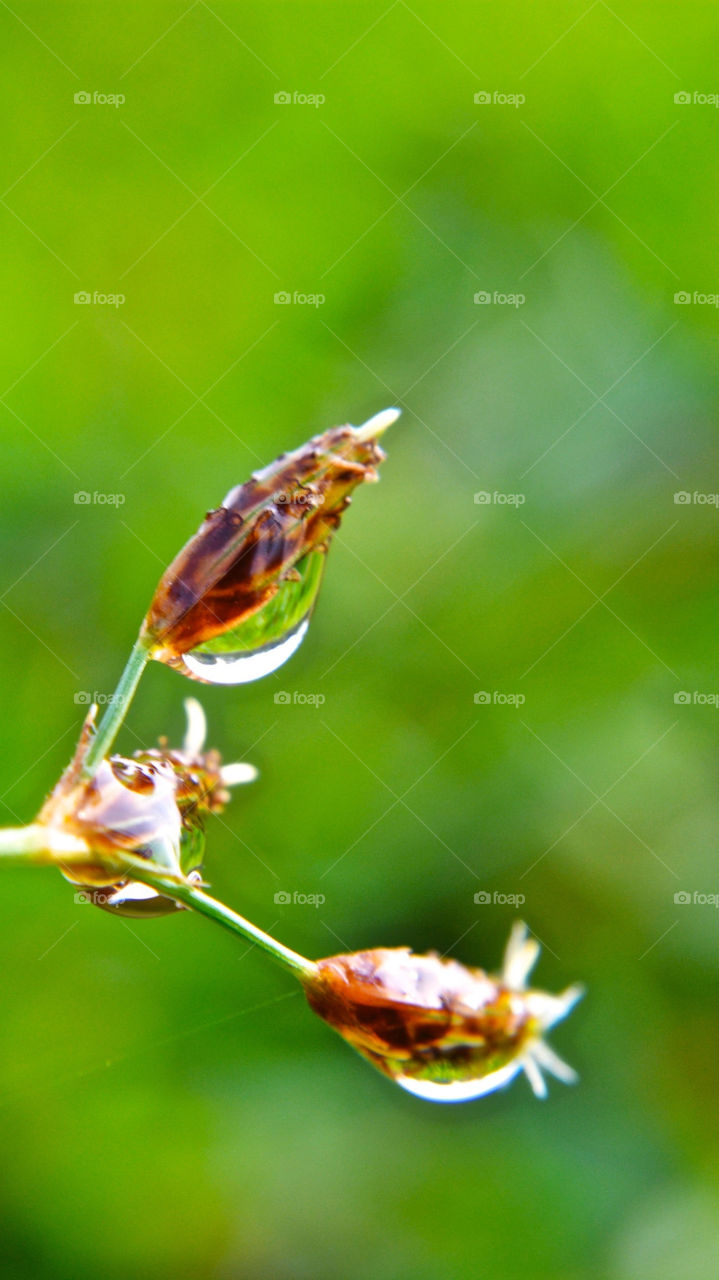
x: 375, y: 426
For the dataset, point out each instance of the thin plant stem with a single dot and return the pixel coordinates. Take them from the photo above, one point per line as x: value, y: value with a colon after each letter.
x: 117, y: 708
x: 35, y: 844
x: 191, y: 896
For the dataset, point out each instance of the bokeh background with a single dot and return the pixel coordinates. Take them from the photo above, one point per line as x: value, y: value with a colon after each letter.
x: 168, y: 1106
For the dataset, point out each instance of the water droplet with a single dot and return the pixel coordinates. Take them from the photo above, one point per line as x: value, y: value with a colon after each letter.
x: 458, y: 1090
x: 264, y: 641
x: 241, y: 668
x: 441, y: 1031
x: 136, y: 900
x: 145, y: 806
x: 236, y: 572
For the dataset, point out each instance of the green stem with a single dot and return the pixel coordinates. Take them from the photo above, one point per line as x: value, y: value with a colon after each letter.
x: 37, y: 844
x: 197, y: 900
x: 117, y: 708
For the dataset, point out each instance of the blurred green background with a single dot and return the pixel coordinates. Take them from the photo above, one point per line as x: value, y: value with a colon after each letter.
x: 168, y: 1105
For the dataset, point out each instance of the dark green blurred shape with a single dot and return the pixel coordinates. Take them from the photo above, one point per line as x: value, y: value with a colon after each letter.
x: 169, y: 1107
